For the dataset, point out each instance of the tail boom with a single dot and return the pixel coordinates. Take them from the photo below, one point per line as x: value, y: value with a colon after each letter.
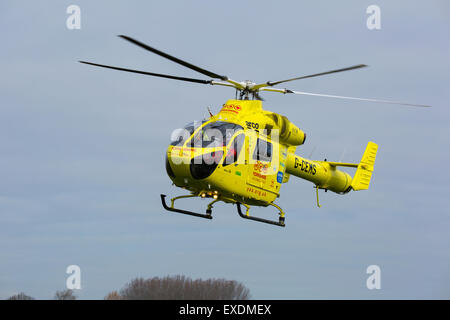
x: 321, y: 173
x: 325, y: 175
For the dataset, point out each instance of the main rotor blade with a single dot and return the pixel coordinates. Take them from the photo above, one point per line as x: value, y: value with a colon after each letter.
x: 270, y: 83
x: 360, y: 99
x: 150, y: 73
x: 176, y: 60
x: 343, y: 97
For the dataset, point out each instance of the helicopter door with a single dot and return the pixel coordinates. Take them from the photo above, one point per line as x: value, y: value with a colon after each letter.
x: 260, y: 164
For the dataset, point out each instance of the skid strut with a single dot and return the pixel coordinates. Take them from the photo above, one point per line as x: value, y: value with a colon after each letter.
x: 171, y: 208
x: 279, y: 223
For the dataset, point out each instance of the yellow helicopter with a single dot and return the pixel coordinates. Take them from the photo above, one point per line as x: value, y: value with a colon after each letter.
x: 243, y: 154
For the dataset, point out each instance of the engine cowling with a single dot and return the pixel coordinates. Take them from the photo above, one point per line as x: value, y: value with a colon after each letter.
x: 289, y: 132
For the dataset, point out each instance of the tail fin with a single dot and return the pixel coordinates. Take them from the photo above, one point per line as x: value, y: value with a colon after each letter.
x: 363, y: 174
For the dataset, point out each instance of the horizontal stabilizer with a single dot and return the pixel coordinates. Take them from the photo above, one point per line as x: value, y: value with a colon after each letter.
x: 342, y: 164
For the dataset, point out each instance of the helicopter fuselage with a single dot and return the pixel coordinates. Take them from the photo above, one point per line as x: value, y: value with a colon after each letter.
x: 247, y: 165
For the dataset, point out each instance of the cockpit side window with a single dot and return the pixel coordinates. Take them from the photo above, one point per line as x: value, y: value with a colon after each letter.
x: 234, y: 150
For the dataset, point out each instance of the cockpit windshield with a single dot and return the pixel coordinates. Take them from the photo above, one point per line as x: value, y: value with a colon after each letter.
x: 215, y: 134
x: 179, y: 136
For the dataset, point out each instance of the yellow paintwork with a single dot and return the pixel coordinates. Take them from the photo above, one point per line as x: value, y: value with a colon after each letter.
x: 321, y: 173
x: 363, y: 174
x: 257, y: 182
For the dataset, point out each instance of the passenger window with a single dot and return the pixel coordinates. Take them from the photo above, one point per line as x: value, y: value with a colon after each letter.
x: 234, y: 149
x: 263, y: 150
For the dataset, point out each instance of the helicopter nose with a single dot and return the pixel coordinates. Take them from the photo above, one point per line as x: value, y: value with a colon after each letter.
x: 169, y: 170
x: 177, y: 163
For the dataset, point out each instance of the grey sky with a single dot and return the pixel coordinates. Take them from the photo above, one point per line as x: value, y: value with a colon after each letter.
x: 82, y: 149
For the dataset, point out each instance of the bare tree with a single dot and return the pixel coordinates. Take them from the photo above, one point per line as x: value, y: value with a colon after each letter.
x: 180, y: 287
x: 114, y: 295
x: 65, y: 295
x: 20, y: 296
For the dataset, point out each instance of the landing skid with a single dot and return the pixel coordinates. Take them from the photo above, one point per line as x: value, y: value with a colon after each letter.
x: 279, y: 223
x: 208, y: 215
x: 171, y: 208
